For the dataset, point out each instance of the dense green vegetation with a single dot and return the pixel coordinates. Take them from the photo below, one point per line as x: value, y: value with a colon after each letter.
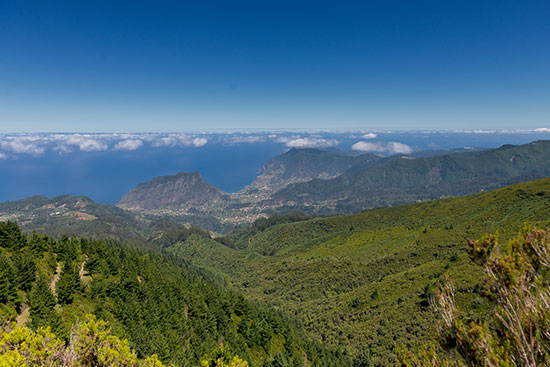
x: 159, y: 304
x: 288, y: 290
x: 518, y: 288
x: 363, y: 282
x: 241, y: 234
x: 403, y: 179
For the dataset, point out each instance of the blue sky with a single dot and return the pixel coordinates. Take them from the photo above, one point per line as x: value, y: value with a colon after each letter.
x: 205, y: 65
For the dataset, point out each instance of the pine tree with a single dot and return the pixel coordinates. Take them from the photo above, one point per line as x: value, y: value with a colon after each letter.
x: 67, y: 284
x: 8, y: 286
x: 26, y: 270
x: 11, y: 236
x: 38, y: 243
x: 42, y: 303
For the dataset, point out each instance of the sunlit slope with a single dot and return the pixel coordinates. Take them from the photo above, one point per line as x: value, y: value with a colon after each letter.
x: 362, y: 281
x: 404, y: 179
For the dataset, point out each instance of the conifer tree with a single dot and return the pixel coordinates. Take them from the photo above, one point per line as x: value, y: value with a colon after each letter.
x: 8, y: 286
x: 26, y: 270
x: 67, y: 284
x: 42, y: 303
x: 38, y: 243
x: 11, y: 236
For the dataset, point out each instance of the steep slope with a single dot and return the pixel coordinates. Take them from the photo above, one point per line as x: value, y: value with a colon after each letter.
x: 303, y: 164
x: 71, y: 215
x: 161, y: 305
x: 401, y: 179
x: 183, y: 189
x: 363, y: 282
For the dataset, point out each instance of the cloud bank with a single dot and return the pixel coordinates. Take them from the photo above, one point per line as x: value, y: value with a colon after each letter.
x: 38, y: 144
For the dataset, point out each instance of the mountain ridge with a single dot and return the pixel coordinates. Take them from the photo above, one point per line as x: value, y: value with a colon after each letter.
x: 402, y: 178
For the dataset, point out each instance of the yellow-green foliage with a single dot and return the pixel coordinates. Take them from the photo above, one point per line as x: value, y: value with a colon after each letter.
x: 91, y: 345
x: 222, y: 358
x: 23, y: 347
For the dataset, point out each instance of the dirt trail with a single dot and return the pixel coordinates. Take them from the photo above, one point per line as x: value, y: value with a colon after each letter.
x: 23, y: 317
x: 81, y: 271
x: 55, y: 278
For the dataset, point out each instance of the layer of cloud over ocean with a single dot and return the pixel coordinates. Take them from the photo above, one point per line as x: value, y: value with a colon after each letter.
x: 105, y: 166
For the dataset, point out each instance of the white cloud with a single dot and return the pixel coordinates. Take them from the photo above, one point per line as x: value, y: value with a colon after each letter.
x: 62, y: 149
x: 391, y: 147
x: 23, y: 144
x: 173, y: 140
x: 164, y: 142
x: 480, y: 131
x: 543, y: 130
x: 3, y: 156
x: 92, y: 146
x: 130, y: 144
x: 308, y: 142
x: 86, y: 142
x: 243, y: 139
x: 370, y: 136
x: 199, y: 142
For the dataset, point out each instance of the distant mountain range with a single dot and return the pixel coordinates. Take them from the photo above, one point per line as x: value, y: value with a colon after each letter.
x: 314, y: 181
x: 321, y: 182
x: 401, y: 179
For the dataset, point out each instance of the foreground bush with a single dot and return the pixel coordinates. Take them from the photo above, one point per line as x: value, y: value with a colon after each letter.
x: 91, y: 345
x: 222, y: 358
x: 518, y: 280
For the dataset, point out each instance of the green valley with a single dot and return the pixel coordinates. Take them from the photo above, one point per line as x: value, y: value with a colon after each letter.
x: 362, y: 283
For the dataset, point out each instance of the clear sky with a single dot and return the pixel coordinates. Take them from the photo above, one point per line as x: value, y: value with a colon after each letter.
x: 178, y: 66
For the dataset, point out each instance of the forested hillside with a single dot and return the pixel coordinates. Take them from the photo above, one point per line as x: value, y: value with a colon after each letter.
x: 161, y: 305
x: 363, y: 282
x: 403, y: 179
x: 72, y: 215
